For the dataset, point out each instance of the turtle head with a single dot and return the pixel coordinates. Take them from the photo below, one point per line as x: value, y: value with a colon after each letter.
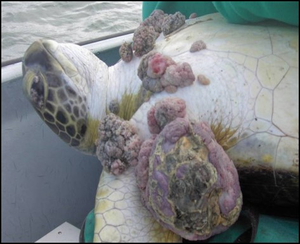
x: 52, y: 84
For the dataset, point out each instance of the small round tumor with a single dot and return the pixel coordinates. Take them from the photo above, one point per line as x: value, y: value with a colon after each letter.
x: 193, y: 15
x: 114, y: 106
x: 203, y: 80
x: 197, y: 46
x: 165, y: 111
x: 126, y: 52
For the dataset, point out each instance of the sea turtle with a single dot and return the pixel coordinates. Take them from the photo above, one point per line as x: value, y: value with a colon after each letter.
x: 204, y: 81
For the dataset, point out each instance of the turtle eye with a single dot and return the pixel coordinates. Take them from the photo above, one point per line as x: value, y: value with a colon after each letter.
x: 82, y: 130
x: 37, y: 92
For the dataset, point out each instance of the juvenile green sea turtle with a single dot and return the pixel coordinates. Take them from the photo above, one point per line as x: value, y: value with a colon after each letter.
x: 200, y: 84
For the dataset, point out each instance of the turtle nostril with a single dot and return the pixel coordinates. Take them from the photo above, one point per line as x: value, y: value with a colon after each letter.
x: 83, y: 130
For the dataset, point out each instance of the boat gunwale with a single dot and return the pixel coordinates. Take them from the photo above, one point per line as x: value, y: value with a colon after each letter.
x: 83, y: 43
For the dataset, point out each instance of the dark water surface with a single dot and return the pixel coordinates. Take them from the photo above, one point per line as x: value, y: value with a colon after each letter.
x: 24, y: 22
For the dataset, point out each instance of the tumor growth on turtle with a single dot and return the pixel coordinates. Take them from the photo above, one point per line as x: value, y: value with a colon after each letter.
x: 126, y: 52
x: 159, y: 72
x: 146, y: 34
x: 197, y: 46
x: 118, y: 144
x: 186, y: 179
x: 172, y: 22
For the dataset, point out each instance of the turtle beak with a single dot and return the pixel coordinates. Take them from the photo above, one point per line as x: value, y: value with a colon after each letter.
x: 39, y: 54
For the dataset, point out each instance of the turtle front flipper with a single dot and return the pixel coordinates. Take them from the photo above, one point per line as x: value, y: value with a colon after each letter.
x: 120, y: 215
x: 66, y: 85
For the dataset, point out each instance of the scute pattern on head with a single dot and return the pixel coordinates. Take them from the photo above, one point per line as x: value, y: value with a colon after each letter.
x: 60, y: 87
x: 68, y: 113
x: 62, y: 109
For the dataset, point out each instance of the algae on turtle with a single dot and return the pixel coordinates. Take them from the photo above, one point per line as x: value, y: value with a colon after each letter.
x: 250, y: 105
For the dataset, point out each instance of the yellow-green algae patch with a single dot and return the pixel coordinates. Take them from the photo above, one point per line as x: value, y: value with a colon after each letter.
x: 88, y: 142
x: 224, y: 135
x: 131, y: 102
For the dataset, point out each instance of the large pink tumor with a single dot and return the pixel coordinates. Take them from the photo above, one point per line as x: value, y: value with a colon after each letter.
x: 187, y: 181
x: 159, y: 72
x: 157, y: 65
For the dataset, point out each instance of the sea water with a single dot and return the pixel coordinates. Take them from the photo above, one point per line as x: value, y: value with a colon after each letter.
x: 24, y: 22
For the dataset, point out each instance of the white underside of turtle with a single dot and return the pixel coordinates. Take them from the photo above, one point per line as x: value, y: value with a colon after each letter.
x: 250, y: 104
